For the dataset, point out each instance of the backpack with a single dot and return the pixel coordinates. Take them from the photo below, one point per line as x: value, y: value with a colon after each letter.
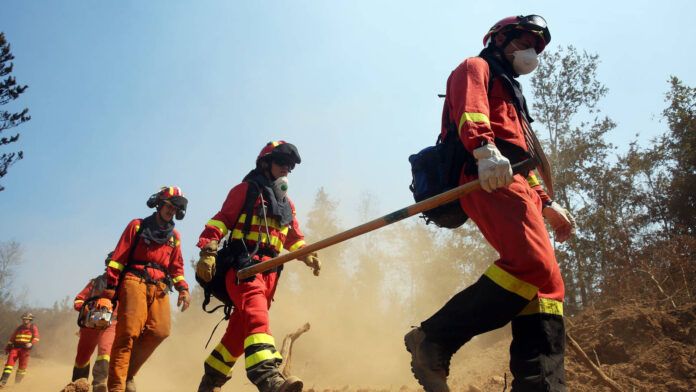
x: 229, y: 257
x: 436, y: 169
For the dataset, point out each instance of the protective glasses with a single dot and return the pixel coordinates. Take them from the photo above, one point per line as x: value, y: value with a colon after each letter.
x: 284, y: 161
x: 535, y: 24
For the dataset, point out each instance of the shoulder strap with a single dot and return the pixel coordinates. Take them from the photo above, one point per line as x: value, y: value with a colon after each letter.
x: 252, y: 194
x: 131, y: 251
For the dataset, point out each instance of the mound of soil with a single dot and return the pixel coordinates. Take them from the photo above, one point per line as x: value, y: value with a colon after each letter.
x: 80, y: 385
x: 641, y: 347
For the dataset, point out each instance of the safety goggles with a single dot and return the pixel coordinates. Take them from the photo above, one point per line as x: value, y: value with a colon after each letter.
x: 284, y: 161
x: 535, y: 24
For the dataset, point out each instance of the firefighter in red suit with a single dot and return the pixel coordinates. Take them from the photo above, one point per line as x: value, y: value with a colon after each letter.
x: 147, y: 261
x: 485, y: 106
x: 91, y: 338
x: 269, y: 227
x: 18, y: 347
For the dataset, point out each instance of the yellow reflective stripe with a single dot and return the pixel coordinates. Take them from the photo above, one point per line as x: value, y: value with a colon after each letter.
x: 473, y: 117
x: 21, y: 335
x: 258, y: 221
x: 260, y: 356
x: 218, y: 365
x: 219, y: 225
x: 178, y: 279
x: 275, y: 241
x: 510, y: 283
x: 297, y: 245
x: 105, y: 357
x: 137, y: 227
x: 79, y: 301
x: 532, y: 180
x: 259, y: 338
x: 82, y: 365
x: 115, y: 264
x: 226, y: 355
x: 177, y: 243
x: 543, y: 305
x: 21, y: 371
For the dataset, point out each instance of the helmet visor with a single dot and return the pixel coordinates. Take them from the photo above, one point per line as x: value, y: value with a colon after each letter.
x: 537, y: 25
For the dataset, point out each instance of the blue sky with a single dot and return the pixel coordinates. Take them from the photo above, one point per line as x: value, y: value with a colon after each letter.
x: 128, y: 96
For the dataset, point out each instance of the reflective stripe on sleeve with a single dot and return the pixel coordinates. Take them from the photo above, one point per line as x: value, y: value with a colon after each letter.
x: 473, y: 117
x: 116, y: 265
x: 297, y: 245
x: 218, y: 225
x: 510, y: 283
x: 178, y: 279
x: 532, y: 180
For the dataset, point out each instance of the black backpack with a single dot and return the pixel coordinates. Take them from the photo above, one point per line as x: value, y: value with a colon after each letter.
x: 436, y: 169
x: 230, y: 257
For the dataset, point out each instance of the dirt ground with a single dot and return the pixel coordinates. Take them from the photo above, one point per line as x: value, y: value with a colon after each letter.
x: 640, y: 347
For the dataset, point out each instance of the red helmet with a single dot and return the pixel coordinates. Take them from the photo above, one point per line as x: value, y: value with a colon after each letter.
x: 280, y: 148
x: 172, y: 195
x: 534, y: 24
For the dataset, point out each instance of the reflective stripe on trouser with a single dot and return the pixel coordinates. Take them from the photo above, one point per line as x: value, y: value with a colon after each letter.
x: 90, y: 339
x: 248, y: 330
x: 143, y: 323
x: 510, y: 219
x: 537, y: 349
x: 261, y: 359
x: 19, y: 356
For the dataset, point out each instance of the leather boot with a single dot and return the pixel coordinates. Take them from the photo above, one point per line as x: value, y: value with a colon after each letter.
x: 80, y: 372
x: 19, y: 376
x: 99, y: 375
x: 278, y: 383
x: 212, y: 382
x: 429, y: 361
x: 4, y: 378
x: 130, y: 385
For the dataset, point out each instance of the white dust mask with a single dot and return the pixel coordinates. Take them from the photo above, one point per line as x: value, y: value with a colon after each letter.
x: 524, y: 61
x: 280, y: 188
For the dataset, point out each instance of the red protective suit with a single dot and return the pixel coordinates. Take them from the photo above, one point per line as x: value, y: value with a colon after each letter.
x: 515, y: 229
x: 18, y: 348
x: 168, y: 256
x: 91, y: 338
x: 524, y: 286
x: 248, y: 331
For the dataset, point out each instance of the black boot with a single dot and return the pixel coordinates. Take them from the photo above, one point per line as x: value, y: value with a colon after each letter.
x: 278, y: 383
x: 212, y: 382
x: 99, y: 375
x: 429, y: 361
x: 80, y: 372
x: 4, y: 378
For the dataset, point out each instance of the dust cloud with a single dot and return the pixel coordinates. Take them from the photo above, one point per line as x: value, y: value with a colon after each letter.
x: 370, y: 292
